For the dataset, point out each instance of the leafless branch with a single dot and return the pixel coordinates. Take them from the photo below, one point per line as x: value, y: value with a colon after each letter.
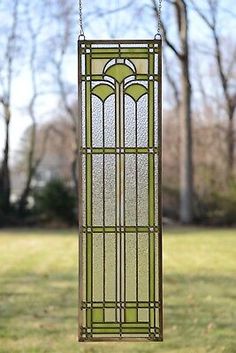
x: 167, y: 40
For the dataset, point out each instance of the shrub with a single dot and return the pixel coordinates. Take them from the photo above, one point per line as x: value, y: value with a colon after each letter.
x: 219, y: 207
x: 56, y: 202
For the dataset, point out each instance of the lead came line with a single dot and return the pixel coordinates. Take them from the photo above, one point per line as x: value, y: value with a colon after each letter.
x: 136, y: 206
x: 124, y: 197
x: 104, y: 208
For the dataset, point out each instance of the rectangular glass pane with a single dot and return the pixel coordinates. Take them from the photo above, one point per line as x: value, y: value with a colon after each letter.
x: 120, y: 252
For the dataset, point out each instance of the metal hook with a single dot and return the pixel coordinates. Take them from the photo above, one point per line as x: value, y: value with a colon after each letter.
x: 158, y: 36
x: 81, y: 36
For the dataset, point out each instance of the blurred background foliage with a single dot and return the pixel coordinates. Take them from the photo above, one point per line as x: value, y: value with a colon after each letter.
x: 38, y: 105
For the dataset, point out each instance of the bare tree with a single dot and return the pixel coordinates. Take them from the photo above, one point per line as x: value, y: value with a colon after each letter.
x: 32, y: 161
x: 71, y: 113
x: 60, y: 42
x: 182, y: 54
x: 67, y: 90
x: 225, y: 73
x: 6, y: 78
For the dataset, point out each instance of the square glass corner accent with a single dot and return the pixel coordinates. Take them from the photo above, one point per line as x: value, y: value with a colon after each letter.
x: 120, y: 233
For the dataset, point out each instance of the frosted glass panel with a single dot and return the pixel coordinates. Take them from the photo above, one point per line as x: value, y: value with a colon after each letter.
x: 109, y: 113
x: 142, y: 117
x: 97, y: 122
x: 130, y: 190
x: 98, y: 256
x: 110, y: 267
x: 120, y: 295
x: 143, y: 271
x: 142, y: 190
x: 130, y: 122
x: 110, y: 191
x: 130, y: 278
x: 97, y: 204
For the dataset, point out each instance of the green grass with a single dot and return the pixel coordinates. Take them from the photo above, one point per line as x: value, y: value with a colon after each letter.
x: 38, y: 293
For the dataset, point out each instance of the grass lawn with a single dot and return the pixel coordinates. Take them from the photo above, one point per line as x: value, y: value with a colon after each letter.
x: 38, y: 293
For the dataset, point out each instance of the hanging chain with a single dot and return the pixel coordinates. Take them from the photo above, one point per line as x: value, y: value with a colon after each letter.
x: 158, y: 34
x: 81, y: 28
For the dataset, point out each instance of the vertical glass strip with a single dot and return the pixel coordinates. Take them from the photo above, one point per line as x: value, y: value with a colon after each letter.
x: 159, y: 201
x: 89, y: 178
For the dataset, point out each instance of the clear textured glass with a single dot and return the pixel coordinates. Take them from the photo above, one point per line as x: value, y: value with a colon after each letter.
x: 109, y: 114
x: 142, y: 190
x: 110, y: 267
x: 98, y: 273
x: 143, y: 270
x: 130, y: 190
x: 97, y: 123
x: 142, y: 118
x: 110, y: 192
x: 130, y: 253
x: 97, y: 194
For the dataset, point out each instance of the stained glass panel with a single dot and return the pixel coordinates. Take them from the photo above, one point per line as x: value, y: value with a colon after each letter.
x: 120, y: 251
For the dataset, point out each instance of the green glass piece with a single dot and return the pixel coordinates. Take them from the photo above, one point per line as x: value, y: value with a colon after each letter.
x: 136, y: 91
x: 135, y: 330
x: 89, y: 267
x: 97, y: 77
x: 103, y: 91
x: 152, y: 316
x: 133, y: 304
x: 119, y: 72
x: 106, y: 330
x: 110, y: 315
x: 109, y: 50
x: 122, y: 325
x: 152, y: 266
x: 127, y: 55
x: 88, y: 317
x: 141, y: 77
x: 151, y: 64
x: 130, y: 315
x: 134, y: 50
x: 89, y: 189
x: 88, y: 58
x: 151, y: 114
x: 88, y: 116
x: 151, y: 180
x: 97, y: 315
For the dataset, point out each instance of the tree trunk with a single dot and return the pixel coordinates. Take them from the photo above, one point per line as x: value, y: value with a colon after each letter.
x: 5, y: 186
x: 186, y: 164
x: 230, y: 146
x: 31, y: 167
x: 74, y: 164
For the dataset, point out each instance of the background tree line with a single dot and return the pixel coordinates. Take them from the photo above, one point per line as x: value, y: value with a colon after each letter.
x: 199, y: 105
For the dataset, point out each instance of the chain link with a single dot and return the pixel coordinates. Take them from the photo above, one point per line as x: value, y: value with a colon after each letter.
x: 81, y: 32
x: 158, y: 34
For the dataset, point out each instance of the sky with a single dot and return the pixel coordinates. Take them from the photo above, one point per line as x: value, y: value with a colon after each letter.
x: 120, y: 25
